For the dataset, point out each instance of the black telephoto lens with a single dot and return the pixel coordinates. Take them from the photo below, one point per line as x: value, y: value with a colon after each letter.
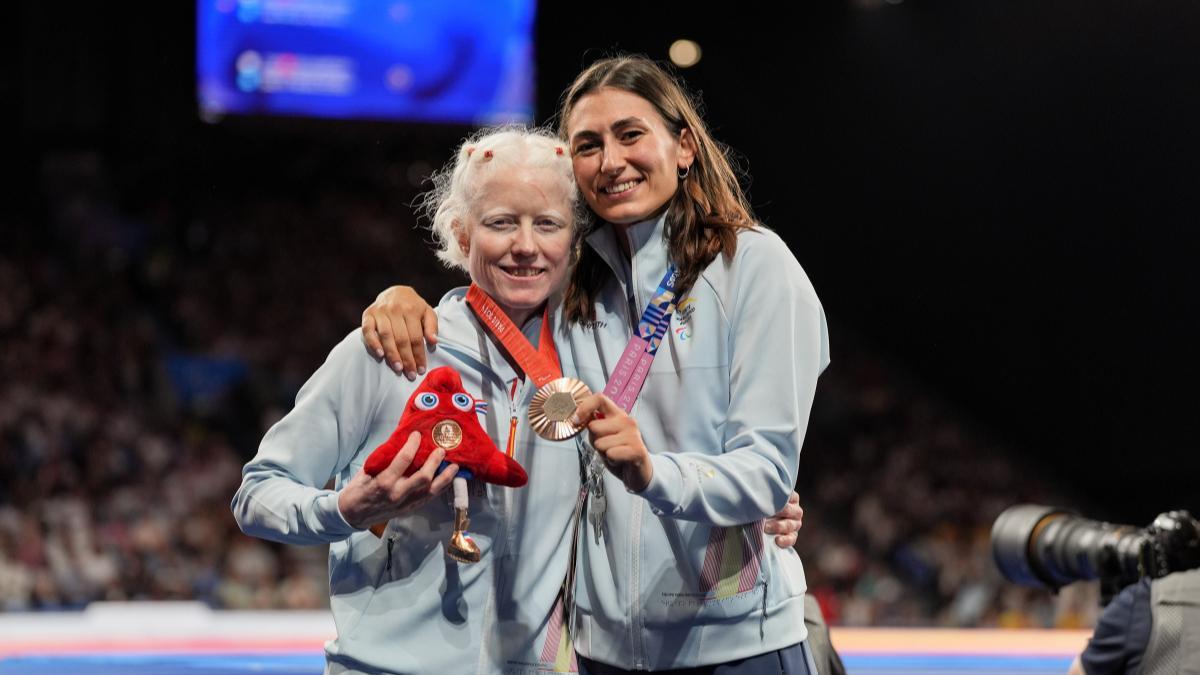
x: 1043, y: 546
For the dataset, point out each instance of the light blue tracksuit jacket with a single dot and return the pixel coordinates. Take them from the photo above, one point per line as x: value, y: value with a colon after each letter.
x: 400, y: 605
x: 682, y: 574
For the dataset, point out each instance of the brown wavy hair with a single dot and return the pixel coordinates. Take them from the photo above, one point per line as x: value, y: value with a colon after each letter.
x: 708, y: 209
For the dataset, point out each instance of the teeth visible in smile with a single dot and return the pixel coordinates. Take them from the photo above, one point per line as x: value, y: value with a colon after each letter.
x: 620, y: 187
x: 523, y: 271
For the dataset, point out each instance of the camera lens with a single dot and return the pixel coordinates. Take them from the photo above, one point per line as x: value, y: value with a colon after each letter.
x: 1043, y: 546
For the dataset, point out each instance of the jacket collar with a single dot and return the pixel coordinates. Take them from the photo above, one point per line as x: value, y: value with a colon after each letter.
x: 650, y: 256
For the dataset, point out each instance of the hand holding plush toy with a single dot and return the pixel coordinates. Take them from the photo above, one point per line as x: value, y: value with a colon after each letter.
x: 446, y: 417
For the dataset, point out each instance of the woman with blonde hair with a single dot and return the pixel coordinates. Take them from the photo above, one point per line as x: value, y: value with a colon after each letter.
x: 408, y: 600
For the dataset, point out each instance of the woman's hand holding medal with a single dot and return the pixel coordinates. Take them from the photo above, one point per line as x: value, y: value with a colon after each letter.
x: 616, y: 437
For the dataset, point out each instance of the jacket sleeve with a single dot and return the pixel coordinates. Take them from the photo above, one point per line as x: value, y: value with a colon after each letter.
x: 282, y: 496
x: 779, y: 344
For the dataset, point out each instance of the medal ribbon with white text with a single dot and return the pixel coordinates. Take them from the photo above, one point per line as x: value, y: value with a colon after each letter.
x: 540, y: 365
x: 634, y: 365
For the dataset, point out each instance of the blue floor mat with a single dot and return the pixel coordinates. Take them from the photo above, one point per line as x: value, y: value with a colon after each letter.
x: 165, y: 664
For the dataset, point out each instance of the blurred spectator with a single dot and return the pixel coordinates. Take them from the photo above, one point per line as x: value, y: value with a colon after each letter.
x: 900, y: 495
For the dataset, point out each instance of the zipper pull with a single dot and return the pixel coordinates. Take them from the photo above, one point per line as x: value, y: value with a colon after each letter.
x: 512, y: 437
x: 391, y: 542
x: 512, y: 423
x: 762, y: 620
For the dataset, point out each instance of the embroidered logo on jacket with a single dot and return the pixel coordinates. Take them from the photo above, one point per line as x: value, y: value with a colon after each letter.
x: 683, y: 317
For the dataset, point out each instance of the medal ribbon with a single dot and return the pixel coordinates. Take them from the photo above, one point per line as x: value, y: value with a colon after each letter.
x: 634, y: 365
x: 623, y: 388
x: 540, y: 365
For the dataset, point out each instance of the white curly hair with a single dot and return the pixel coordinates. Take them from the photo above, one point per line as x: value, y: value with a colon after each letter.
x: 447, y: 205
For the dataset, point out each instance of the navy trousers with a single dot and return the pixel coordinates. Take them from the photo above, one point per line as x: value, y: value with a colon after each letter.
x: 794, y: 660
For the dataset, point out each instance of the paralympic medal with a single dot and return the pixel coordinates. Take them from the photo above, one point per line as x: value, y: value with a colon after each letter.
x: 447, y: 434
x: 552, y: 406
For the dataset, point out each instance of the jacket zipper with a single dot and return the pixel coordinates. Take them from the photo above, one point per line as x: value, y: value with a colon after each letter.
x: 504, y: 507
x: 500, y: 543
x: 635, y: 532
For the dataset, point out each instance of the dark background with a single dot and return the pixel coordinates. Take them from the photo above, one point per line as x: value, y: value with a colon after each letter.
x: 998, y: 196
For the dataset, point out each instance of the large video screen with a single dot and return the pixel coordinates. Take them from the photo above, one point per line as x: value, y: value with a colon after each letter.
x: 451, y: 61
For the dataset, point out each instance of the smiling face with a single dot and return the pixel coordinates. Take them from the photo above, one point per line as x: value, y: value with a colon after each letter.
x: 518, y: 237
x: 626, y: 160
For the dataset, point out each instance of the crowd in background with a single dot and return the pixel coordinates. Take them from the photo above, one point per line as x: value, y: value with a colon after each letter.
x: 148, y: 341
x: 900, y: 492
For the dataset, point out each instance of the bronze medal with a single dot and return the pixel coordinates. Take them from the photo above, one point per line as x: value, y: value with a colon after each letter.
x: 552, y: 406
x: 447, y: 434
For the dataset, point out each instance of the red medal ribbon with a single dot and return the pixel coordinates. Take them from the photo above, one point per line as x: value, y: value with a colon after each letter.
x: 540, y: 365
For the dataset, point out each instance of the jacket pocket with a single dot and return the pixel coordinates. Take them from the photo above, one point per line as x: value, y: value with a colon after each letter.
x: 356, y: 570
x: 723, y: 582
x: 786, y: 573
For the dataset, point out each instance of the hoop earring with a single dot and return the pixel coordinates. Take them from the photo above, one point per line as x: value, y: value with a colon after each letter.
x: 683, y: 173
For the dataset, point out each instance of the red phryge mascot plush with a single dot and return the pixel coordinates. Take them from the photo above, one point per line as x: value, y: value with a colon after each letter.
x: 446, y: 417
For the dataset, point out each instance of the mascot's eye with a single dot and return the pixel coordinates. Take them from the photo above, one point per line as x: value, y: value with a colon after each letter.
x: 427, y: 401
x: 463, y: 402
